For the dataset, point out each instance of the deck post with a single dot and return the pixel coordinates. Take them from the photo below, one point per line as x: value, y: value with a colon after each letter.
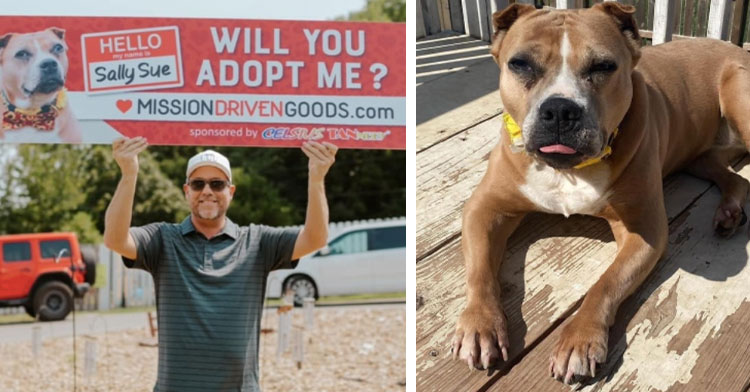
x: 477, y: 18
x: 718, y: 19
x: 566, y: 4
x: 420, y: 21
x: 663, y: 21
x: 430, y: 16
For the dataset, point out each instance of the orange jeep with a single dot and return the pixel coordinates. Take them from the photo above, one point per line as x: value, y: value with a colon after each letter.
x: 42, y: 272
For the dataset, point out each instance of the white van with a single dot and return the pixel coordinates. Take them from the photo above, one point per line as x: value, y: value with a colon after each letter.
x: 366, y: 258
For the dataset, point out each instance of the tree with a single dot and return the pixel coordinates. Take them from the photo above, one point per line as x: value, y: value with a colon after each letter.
x: 157, y: 198
x: 68, y: 188
x: 44, y: 188
x: 381, y: 11
x: 272, y: 182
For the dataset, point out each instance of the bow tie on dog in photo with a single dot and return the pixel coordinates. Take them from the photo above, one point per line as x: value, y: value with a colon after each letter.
x: 42, y: 119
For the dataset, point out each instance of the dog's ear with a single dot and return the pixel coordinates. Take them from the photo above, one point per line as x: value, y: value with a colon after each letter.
x: 4, y: 42
x: 502, y: 20
x: 60, y: 33
x: 622, y: 15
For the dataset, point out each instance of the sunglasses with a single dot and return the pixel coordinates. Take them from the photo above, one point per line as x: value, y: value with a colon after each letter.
x: 216, y: 185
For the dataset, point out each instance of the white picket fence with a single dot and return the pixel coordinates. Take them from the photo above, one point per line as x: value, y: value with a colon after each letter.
x: 474, y: 17
x: 131, y: 288
x: 335, y: 228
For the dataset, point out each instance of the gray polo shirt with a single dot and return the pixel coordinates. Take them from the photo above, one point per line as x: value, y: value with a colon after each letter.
x: 209, y: 298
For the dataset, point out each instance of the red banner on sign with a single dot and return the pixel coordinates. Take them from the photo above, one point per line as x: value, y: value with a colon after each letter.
x: 202, y: 81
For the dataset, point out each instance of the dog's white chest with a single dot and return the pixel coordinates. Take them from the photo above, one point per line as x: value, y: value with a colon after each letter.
x: 567, y: 193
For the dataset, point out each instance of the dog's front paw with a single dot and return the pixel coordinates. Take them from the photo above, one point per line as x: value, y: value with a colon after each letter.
x: 481, y: 336
x: 581, y: 346
x: 729, y: 215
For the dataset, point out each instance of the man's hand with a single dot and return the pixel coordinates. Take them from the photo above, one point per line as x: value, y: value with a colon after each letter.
x: 314, y: 234
x: 321, y: 157
x: 120, y: 211
x: 125, y: 152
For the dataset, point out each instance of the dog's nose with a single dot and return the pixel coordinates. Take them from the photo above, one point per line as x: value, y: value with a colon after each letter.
x: 48, y: 66
x: 560, y: 113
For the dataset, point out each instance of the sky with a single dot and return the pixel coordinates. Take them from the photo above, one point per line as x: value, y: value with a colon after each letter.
x: 236, y: 9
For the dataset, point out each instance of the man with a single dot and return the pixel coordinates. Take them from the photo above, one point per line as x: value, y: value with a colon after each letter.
x: 209, y: 273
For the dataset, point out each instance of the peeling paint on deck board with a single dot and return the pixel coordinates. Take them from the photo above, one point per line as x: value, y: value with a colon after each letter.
x: 682, y: 339
x: 443, y: 286
x: 662, y: 314
x: 530, y: 307
x: 706, y: 294
x: 704, y: 347
x: 446, y: 176
x: 723, y: 358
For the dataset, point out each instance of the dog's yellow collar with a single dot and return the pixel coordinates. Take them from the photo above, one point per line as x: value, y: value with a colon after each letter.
x: 514, y: 132
x: 516, y: 141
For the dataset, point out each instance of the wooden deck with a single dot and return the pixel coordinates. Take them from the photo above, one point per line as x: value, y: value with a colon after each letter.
x: 686, y: 329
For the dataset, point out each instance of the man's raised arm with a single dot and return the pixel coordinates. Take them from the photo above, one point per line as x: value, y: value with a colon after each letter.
x: 120, y: 211
x: 314, y: 234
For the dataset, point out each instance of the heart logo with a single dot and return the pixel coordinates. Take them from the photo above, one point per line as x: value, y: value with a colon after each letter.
x: 124, y: 105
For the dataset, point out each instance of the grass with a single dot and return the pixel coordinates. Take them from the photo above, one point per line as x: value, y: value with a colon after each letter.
x: 19, y: 318
x: 22, y: 318
x: 343, y: 299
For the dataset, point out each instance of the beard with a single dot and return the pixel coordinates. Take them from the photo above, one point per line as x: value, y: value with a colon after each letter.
x: 208, y: 210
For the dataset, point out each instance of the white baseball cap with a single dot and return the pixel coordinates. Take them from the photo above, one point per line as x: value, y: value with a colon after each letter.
x: 209, y: 158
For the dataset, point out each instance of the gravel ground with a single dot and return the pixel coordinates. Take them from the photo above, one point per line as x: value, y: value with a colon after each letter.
x: 350, y: 348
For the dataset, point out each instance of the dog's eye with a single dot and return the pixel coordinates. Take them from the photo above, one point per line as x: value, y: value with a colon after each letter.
x: 603, y: 67
x: 57, y: 49
x: 519, y: 65
x: 23, y: 55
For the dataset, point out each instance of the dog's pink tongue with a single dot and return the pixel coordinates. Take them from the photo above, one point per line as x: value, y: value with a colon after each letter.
x: 557, y: 148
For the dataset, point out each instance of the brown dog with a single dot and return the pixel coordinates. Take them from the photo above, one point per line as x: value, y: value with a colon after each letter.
x: 593, y: 124
x: 33, y: 67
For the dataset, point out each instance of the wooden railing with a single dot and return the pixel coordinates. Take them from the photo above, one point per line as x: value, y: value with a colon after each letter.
x: 659, y: 21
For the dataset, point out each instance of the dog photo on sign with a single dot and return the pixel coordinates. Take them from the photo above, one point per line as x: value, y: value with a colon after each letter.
x: 33, y: 68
